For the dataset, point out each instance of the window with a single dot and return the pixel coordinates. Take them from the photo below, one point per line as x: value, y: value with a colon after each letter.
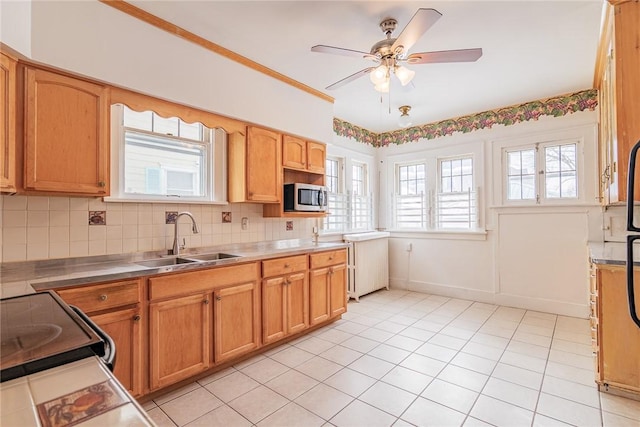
x: 457, y: 200
x: 337, y: 203
x: 361, y: 203
x: 349, y: 208
x: 544, y: 172
x: 158, y: 158
x: 410, y: 200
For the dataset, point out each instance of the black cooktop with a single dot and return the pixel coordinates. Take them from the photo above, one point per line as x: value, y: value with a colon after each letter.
x: 38, y: 332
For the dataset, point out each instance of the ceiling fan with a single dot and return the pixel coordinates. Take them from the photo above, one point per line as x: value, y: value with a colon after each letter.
x: 391, y: 53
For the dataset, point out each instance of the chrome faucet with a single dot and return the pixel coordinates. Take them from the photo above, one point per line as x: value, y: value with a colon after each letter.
x: 176, y: 247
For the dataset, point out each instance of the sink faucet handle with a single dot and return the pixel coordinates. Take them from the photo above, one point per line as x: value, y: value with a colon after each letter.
x: 184, y: 243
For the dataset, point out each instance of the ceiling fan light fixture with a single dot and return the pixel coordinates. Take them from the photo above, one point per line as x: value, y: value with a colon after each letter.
x: 382, y: 87
x: 404, y: 74
x: 379, y: 75
x: 404, y: 120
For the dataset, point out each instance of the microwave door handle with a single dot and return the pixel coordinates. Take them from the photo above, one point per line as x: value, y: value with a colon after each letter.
x: 630, y: 283
x: 631, y: 187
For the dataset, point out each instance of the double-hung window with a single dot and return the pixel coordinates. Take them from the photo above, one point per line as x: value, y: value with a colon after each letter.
x: 361, y: 203
x: 163, y: 158
x: 337, y: 204
x: 410, y: 201
x: 456, y: 200
x: 542, y: 173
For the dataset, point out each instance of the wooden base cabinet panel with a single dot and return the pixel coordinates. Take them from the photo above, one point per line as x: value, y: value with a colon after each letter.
x: 179, y: 341
x: 236, y: 320
x: 618, y: 339
x: 337, y: 290
x: 297, y: 302
x: 274, y: 312
x: 318, y: 295
x: 123, y: 326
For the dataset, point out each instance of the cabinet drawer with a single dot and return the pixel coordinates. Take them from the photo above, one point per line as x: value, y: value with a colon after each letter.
x: 324, y: 259
x: 280, y: 266
x: 167, y: 286
x: 101, y: 297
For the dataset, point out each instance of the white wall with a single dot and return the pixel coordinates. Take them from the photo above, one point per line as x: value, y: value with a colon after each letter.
x: 96, y: 40
x: 15, y: 25
x: 532, y: 257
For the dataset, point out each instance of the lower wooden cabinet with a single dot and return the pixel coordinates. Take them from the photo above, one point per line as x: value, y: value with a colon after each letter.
x: 116, y: 307
x: 616, y: 337
x: 285, y: 297
x: 123, y: 326
x: 237, y: 320
x: 179, y: 334
x: 327, y: 285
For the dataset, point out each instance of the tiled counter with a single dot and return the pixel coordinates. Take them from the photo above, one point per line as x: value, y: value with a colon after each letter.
x: 36, y: 399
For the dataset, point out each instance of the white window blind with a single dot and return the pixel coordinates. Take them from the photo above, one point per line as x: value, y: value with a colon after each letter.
x: 337, y: 219
x: 457, y: 210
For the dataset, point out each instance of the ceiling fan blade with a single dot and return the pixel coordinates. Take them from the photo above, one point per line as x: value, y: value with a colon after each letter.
x: 341, y: 51
x: 421, y: 21
x: 350, y: 78
x: 460, y: 55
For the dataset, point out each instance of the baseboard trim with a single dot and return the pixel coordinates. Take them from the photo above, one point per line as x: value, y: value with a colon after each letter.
x: 519, y: 301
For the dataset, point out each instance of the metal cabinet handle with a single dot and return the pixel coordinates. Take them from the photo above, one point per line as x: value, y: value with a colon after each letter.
x: 101, y: 184
x: 286, y: 266
x: 103, y: 297
x: 206, y: 301
x: 136, y: 318
x: 218, y: 298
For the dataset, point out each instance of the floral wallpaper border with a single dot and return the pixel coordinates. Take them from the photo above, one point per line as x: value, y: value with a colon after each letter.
x: 557, y: 106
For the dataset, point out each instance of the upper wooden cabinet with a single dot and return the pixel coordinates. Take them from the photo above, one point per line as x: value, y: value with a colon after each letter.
x: 303, y: 155
x: 8, y: 121
x: 618, y: 81
x: 66, y: 146
x: 255, y: 168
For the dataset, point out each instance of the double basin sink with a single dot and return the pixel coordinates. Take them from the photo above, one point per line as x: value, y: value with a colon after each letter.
x: 187, y: 259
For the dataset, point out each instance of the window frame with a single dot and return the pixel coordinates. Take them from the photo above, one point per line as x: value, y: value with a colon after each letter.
x: 397, y: 194
x: 214, y: 169
x: 471, y: 191
x: 540, y: 174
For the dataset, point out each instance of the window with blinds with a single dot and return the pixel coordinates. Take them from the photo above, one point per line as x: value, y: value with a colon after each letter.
x: 410, y: 201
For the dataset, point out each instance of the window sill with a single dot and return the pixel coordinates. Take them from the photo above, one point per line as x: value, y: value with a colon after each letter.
x: 440, y: 234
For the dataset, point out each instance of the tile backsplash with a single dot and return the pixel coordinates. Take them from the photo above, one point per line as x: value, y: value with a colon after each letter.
x: 38, y: 227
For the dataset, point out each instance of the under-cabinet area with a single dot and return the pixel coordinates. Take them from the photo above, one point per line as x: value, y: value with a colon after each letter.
x: 177, y: 325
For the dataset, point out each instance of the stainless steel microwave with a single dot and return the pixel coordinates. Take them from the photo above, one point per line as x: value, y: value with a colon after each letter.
x: 305, y: 198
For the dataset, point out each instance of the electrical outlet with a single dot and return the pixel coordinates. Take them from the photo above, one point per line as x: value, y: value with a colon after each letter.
x: 244, y: 223
x: 409, y: 247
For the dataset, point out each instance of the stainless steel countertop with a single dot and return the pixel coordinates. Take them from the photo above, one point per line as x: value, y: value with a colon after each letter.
x: 25, y: 277
x: 612, y: 253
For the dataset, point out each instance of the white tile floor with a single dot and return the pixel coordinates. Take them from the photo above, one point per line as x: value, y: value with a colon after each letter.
x: 405, y: 358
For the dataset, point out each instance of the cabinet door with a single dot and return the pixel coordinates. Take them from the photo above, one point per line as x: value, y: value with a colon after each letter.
x: 236, y: 320
x: 316, y: 157
x: 274, y: 300
x: 318, y: 295
x: 123, y: 326
x: 264, y: 176
x: 297, y: 290
x: 8, y: 130
x: 294, y: 152
x: 338, y: 289
x: 620, y: 343
x: 66, y: 135
x: 179, y: 338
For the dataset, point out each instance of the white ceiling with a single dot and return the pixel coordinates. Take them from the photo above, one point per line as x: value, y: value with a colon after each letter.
x: 532, y: 49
